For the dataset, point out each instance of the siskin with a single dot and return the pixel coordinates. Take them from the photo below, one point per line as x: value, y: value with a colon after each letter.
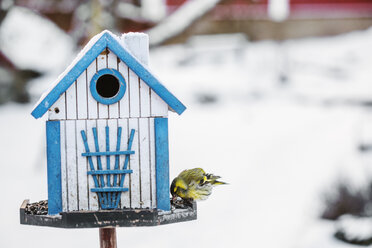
x: 193, y: 184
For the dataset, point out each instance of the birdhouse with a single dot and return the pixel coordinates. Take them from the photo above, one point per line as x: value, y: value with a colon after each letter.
x: 107, y: 138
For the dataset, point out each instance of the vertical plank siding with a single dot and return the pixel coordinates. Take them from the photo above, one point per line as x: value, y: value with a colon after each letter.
x: 152, y: 162
x: 82, y: 168
x: 135, y: 190
x: 125, y: 196
x: 92, y: 103
x: 144, y: 161
x: 145, y: 99
x: 71, y: 103
x: 124, y: 102
x: 58, y: 111
x: 72, y: 177
x: 76, y: 183
x: 82, y: 96
x: 93, y: 198
x: 112, y: 62
x: 111, y: 146
x: 103, y: 109
x: 138, y: 101
x: 134, y: 96
x: 63, y: 166
x: 139, y: 109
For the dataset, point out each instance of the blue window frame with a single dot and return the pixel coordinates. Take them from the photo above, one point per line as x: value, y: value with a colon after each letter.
x: 107, y: 86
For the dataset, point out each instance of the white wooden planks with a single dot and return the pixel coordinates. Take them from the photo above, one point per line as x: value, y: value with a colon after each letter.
x: 93, y: 198
x: 145, y: 99
x: 63, y: 167
x: 138, y: 44
x: 152, y: 162
x: 82, y: 167
x: 92, y: 103
x: 159, y: 108
x: 101, y: 132
x: 125, y: 196
x: 133, y: 111
x: 134, y: 165
x: 112, y: 62
x: 134, y: 97
x: 138, y: 101
x: 102, y: 108
x: 144, y: 161
x: 133, y: 44
x: 72, y: 181
x: 58, y: 110
x: 150, y: 103
x: 76, y: 184
x: 71, y: 102
x: 113, y: 135
x: 81, y: 96
x: 124, y: 102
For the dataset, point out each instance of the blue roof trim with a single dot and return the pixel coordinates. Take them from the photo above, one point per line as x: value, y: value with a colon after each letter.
x: 70, y: 77
x: 106, y: 40
x: 145, y: 75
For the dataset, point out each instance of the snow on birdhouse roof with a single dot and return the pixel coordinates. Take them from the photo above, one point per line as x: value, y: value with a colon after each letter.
x: 87, y: 55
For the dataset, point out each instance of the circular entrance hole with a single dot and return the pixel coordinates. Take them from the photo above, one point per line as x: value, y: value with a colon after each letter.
x: 107, y: 86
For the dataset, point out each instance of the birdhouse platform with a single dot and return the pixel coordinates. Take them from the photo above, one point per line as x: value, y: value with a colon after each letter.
x: 108, y: 218
x: 107, y: 141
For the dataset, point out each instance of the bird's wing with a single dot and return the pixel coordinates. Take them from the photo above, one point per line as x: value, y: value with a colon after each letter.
x: 193, y: 176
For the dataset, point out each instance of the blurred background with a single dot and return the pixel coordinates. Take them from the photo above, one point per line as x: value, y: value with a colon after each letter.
x: 279, y: 98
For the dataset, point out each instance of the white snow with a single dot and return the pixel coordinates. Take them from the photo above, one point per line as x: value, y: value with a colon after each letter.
x: 32, y: 42
x: 153, y: 10
x: 278, y: 10
x: 355, y: 228
x: 279, y: 143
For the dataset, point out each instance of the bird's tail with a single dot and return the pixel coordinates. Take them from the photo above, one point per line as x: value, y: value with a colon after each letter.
x: 212, y: 179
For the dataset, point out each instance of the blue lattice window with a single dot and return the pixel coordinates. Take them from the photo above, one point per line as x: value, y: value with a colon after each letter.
x: 108, y: 194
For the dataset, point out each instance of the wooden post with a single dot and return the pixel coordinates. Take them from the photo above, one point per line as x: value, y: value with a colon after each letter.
x: 107, y: 237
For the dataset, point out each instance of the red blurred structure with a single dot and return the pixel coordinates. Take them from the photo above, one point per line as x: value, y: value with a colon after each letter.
x: 251, y: 9
x: 306, y: 17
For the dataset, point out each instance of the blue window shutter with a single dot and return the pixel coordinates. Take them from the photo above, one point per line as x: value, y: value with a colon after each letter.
x: 162, y: 163
x: 53, y: 133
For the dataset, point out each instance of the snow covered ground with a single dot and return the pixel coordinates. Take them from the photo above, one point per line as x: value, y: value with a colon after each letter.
x: 280, y: 122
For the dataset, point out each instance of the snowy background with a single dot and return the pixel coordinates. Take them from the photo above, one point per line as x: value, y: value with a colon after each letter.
x: 280, y: 121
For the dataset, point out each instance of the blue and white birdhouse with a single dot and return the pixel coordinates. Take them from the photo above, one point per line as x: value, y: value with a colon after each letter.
x: 107, y: 129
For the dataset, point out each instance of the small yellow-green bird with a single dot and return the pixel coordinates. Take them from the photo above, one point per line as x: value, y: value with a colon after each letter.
x: 193, y: 184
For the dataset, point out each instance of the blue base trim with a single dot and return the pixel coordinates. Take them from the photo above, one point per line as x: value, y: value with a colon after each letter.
x: 53, y: 133
x: 162, y: 163
x: 106, y: 40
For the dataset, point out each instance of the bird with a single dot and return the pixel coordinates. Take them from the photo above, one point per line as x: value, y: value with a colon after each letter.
x: 193, y: 185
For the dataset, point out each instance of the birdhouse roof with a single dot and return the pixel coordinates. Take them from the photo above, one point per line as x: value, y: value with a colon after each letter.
x: 95, y: 46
